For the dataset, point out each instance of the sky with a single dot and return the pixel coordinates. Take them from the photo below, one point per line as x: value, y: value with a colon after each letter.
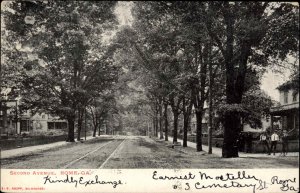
x: 123, y: 12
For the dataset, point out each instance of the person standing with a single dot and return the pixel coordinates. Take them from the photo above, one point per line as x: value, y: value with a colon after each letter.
x: 284, y: 140
x: 264, y: 142
x: 274, y: 140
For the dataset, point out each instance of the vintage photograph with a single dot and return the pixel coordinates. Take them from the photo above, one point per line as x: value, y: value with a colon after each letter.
x: 143, y: 85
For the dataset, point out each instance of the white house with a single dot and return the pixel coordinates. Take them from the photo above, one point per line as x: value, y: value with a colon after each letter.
x: 288, y: 110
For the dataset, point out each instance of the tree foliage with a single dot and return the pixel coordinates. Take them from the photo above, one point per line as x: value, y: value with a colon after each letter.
x: 65, y: 64
x: 243, y: 38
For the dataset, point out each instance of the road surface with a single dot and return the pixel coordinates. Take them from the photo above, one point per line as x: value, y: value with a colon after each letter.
x: 128, y: 152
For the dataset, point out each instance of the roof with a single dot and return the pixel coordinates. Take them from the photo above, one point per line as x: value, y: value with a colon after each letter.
x: 286, y: 107
x: 291, y: 84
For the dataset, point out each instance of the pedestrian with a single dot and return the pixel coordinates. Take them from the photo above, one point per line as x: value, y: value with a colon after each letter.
x: 284, y: 141
x: 263, y: 140
x: 274, y: 140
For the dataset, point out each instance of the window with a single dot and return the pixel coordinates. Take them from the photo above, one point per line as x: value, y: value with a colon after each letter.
x: 26, y: 125
x: 57, y: 125
x: 285, y: 97
x: 295, y: 94
x: 51, y: 125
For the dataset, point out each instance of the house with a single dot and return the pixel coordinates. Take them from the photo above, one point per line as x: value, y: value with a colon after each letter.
x: 26, y: 122
x: 40, y: 122
x: 14, y: 122
x: 286, y: 115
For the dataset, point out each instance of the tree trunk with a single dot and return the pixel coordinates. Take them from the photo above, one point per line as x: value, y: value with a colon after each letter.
x: 199, y: 130
x: 210, y: 96
x: 156, y: 125
x: 231, y: 119
x: 166, y: 121
x: 94, y: 121
x: 175, y: 131
x: 95, y: 130
x: 209, y: 140
x: 231, y: 132
x: 154, y: 129
x: 161, y: 136
x: 185, y: 128
x: 71, y: 123
x: 4, y: 117
x: 99, y: 127
x: 79, y: 122
x: 187, y: 111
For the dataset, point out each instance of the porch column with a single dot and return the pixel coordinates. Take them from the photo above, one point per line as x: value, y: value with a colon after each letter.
x: 272, y: 123
x: 285, y: 121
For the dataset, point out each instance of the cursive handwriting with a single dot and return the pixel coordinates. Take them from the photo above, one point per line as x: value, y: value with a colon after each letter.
x: 232, y: 184
x: 81, y: 181
x: 228, y: 180
x: 262, y: 185
x: 203, y: 175
x: 285, y: 184
x: 189, y: 176
x: 240, y: 179
x: 240, y: 176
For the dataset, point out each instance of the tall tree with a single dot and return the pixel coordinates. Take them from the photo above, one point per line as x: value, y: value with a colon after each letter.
x: 245, y: 33
x: 57, y: 41
x: 166, y: 122
x: 242, y: 36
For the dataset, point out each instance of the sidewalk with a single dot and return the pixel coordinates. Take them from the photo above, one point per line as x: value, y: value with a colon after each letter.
x: 218, y: 151
x: 38, y: 148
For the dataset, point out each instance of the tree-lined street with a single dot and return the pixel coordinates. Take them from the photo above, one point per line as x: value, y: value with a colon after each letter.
x: 142, y: 76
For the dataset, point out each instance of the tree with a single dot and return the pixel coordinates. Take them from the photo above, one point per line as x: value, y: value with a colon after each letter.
x: 257, y: 104
x: 235, y: 36
x: 161, y: 58
x: 166, y: 122
x: 247, y: 34
x: 186, y: 111
x: 57, y: 41
x: 100, y: 108
x: 136, y: 91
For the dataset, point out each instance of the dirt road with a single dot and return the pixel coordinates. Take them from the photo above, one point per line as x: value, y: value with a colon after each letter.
x: 136, y: 152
